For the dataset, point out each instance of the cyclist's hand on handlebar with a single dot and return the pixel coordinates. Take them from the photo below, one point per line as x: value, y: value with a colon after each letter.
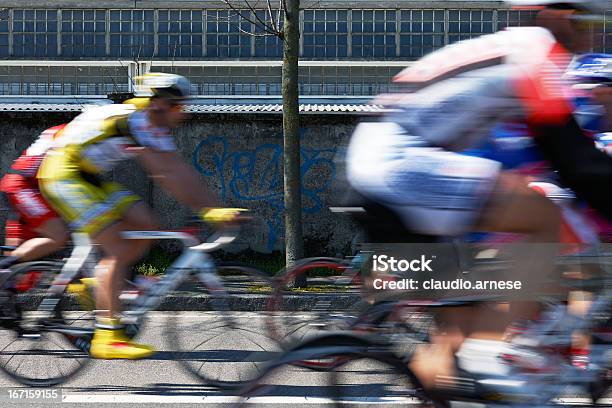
x: 221, y: 215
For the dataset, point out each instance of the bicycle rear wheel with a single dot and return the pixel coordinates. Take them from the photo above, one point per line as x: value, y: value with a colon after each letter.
x: 225, y: 340
x: 328, y: 301
x: 31, y: 353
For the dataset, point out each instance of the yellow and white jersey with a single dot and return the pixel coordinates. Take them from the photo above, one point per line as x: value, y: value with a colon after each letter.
x: 101, y: 137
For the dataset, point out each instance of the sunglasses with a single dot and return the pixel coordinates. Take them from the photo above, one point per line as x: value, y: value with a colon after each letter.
x: 176, y: 106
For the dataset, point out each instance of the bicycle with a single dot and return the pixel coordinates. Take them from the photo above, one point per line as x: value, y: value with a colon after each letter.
x: 326, y: 280
x: 59, y: 321
x: 539, y: 367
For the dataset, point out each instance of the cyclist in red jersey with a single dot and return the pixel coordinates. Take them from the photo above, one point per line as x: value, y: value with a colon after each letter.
x: 34, y: 227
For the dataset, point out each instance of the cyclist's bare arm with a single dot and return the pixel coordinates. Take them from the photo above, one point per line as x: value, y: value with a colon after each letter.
x: 179, y: 179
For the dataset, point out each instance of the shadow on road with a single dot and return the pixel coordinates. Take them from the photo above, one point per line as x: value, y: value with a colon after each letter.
x: 149, y: 389
x: 219, y: 356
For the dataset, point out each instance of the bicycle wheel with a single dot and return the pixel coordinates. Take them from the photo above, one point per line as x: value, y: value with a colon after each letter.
x: 222, y: 342
x: 32, y: 353
x: 329, y: 300
x: 380, y: 378
x: 344, y: 349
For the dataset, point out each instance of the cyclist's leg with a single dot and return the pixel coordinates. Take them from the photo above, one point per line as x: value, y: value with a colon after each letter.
x: 53, y: 236
x: 119, y: 255
x: 99, y: 210
x: 512, y: 207
x: 38, y: 224
x: 516, y: 208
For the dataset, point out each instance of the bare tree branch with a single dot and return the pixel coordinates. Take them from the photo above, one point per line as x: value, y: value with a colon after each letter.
x: 265, y: 27
x: 274, y: 26
x: 235, y: 10
x: 248, y: 20
x: 278, y: 16
x: 262, y: 22
x: 174, y: 52
x: 252, y: 8
x: 255, y: 34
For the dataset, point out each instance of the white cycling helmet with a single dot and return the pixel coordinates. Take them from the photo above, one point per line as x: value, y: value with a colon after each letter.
x: 164, y: 85
x: 595, y: 9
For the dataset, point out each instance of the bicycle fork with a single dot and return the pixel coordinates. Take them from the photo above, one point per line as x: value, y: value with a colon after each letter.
x: 81, y: 256
x: 175, y: 275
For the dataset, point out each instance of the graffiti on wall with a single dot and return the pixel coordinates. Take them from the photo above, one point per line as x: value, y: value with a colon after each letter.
x: 253, y: 178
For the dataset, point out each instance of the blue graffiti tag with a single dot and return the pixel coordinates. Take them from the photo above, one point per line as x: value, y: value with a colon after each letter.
x: 252, y: 177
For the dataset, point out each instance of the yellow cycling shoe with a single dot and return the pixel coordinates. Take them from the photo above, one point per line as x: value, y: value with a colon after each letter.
x: 113, y: 344
x: 84, y: 292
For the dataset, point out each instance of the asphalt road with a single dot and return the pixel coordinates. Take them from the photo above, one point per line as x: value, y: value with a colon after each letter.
x: 160, y: 380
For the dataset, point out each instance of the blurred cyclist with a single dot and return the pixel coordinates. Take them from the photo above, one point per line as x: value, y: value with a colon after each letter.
x: 36, y: 228
x: 92, y: 144
x: 414, y: 164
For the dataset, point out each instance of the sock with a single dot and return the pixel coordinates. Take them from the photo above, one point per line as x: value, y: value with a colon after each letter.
x: 108, y: 323
x: 579, y: 357
x: 8, y: 261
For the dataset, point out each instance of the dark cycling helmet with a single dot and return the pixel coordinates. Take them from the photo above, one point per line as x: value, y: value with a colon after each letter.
x: 592, y: 68
x: 594, y: 9
x: 163, y: 85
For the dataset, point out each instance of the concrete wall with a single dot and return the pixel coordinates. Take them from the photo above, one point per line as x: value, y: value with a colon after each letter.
x: 240, y: 158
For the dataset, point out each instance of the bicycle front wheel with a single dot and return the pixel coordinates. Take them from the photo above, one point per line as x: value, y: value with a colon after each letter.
x: 389, y: 379
x: 363, y: 378
x: 31, y: 352
x: 224, y: 340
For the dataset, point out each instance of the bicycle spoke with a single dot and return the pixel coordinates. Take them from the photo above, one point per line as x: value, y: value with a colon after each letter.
x: 47, y: 360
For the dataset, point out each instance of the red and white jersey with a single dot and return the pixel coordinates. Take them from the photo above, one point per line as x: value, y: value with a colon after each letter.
x: 457, y: 94
x: 28, y: 163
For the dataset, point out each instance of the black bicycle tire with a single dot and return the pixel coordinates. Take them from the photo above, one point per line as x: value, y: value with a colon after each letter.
x: 42, y: 382
x: 223, y: 310
x: 345, y: 344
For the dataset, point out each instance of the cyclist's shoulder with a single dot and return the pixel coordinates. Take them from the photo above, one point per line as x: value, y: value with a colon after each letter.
x: 516, y: 45
x: 97, y: 123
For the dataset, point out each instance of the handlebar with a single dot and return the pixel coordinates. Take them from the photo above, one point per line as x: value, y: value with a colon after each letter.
x: 220, y: 238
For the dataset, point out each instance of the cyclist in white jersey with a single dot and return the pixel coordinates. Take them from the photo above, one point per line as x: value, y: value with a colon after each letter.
x: 411, y: 160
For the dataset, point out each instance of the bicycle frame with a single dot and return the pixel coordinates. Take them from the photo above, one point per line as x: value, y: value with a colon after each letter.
x: 80, y: 258
x: 193, y: 260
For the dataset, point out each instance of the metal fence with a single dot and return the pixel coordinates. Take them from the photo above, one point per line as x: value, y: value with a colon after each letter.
x: 65, y: 77
x: 214, y: 78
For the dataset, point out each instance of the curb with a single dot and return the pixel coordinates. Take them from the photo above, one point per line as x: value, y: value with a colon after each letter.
x: 242, y: 302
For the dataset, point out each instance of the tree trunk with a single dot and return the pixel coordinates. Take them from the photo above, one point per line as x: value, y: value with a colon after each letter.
x: 294, y: 244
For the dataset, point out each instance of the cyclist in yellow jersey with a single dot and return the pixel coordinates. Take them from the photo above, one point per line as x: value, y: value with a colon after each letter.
x: 93, y: 143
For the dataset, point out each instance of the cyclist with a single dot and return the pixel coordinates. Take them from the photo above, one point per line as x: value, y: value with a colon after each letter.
x: 92, y: 144
x: 456, y: 96
x: 35, y: 227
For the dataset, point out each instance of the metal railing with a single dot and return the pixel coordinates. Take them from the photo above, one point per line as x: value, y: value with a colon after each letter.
x: 209, y: 78
x: 56, y: 78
